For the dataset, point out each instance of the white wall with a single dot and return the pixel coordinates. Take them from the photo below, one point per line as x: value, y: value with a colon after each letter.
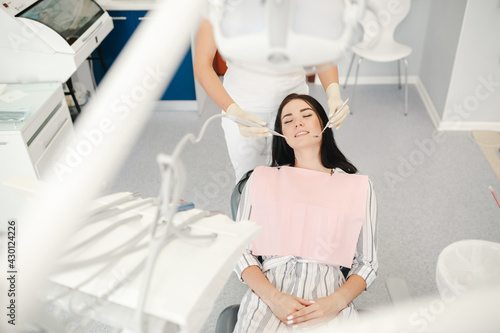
x: 473, y: 100
x: 460, y: 68
x: 441, y: 42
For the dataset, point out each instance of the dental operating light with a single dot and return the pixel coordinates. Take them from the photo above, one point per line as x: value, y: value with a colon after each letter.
x: 284, y: 35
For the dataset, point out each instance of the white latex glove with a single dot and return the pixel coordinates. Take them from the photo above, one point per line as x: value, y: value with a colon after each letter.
x: 335, y: 101
x: 249, y: 132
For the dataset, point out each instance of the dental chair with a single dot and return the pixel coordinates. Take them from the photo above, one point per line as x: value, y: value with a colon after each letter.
x: 228, y: 317
x: 396, y: 287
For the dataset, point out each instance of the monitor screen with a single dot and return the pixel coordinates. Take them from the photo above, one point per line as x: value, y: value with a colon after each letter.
x: 69, y: 18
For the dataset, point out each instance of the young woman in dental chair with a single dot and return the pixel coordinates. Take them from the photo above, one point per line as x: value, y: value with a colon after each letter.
x: 317, y: 216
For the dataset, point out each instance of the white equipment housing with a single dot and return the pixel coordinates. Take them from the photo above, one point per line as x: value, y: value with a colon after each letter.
x: 46, y: 40
x: 284, y: 35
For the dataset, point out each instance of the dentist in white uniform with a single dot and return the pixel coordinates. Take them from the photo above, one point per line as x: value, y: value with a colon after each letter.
x: 254, y: 93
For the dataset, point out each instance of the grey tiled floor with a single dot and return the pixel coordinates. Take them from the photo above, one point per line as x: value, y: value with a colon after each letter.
x: 432, y: 189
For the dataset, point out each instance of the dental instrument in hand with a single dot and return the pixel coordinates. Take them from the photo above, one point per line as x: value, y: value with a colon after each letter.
x: 330, y: 120
x: 249, y: 123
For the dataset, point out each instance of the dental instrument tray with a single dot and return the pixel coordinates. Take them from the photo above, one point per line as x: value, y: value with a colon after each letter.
x: 13, y: 116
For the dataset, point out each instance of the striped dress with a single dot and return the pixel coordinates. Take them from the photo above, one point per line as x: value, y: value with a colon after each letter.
x: 304, y: 278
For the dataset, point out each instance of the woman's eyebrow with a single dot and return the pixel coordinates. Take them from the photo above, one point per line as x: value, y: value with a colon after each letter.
x: 289, y: 114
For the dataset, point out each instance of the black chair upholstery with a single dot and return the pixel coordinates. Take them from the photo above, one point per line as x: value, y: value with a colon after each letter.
x: 236, y: 195
x: 227, y: 319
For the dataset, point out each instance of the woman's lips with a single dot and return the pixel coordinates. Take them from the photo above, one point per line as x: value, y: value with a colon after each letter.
x: 301, y: 133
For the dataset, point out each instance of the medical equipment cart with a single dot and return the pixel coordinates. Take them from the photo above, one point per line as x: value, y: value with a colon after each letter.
x: 28, y: 147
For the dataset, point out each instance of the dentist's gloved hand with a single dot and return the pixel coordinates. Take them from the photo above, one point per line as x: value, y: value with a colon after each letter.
x: 249, y: 132
x: 335, y: 101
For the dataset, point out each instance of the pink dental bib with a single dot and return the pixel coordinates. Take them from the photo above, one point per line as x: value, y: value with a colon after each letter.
x: 307, y: 213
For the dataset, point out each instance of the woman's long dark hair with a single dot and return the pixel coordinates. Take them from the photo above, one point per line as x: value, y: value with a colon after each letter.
x: 331, y: 156
x: 283, y: 154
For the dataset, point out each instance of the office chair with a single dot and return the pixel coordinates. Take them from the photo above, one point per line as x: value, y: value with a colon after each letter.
x: 378, y: 44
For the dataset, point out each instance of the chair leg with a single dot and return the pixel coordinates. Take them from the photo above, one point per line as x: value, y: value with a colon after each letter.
x: 355, y: 84
x: 69, y: 83
x: 406, y: 86
x: 101, y: 59
x: 349, y: 70
x: 399, y: 73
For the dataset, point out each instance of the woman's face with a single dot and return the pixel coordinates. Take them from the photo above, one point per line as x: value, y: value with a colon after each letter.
x: 300, y: 124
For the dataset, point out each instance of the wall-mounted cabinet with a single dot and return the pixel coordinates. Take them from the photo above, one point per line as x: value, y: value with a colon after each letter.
x: 182, y: 86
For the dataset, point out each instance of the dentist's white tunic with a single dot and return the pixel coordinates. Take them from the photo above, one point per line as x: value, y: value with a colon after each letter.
x: 259, y: 91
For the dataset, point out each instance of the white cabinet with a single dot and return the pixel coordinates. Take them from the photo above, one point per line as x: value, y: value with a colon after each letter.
x: 460, y: 68
x: 473, y: 100
x: 28, y: 148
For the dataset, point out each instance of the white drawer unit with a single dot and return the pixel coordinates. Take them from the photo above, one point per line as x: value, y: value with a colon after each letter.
x: 28, y: 148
